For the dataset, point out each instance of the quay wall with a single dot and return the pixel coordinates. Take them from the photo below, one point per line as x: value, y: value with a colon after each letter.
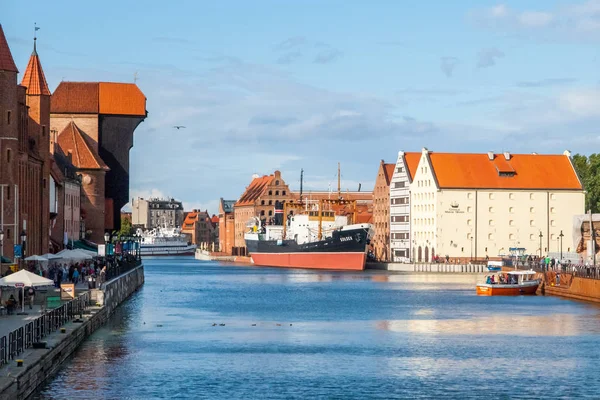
x: 430, y: 268
x: 18, y: 383
x: 572, y: 287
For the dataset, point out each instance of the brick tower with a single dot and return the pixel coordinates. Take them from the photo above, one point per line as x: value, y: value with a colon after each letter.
x: 36, y: 205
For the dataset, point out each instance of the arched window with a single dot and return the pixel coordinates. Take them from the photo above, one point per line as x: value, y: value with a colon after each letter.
x: 262, y: 202
x: 262, y: 212
x: 277, y: 193
x: 270, y: 193
x: 283, y: 192
x: 270, y: 213
x: 270, y: 202
x: 276, y: 183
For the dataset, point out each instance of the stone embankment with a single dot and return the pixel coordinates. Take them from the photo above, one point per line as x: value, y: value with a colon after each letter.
x: 18, y: 383
x: 434, y: 268
x: 570, y: 286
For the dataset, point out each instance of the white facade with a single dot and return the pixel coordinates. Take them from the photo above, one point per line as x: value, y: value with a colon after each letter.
x: 465, y: 223
x: 400, y: 212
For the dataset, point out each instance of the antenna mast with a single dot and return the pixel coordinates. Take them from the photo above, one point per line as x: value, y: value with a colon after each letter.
x: 339, y: 188
x: 301, y: 178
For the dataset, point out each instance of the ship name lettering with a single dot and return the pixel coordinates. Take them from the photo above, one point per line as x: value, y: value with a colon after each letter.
x: 345, y: 238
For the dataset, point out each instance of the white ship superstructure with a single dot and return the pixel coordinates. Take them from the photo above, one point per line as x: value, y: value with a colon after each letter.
x: 165, y: 242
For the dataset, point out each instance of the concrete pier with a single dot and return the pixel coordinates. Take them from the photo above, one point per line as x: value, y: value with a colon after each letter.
x: 17, y: 383
x: 430, y: 268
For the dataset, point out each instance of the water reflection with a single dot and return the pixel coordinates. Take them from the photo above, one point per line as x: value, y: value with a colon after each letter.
x: 202, y: 330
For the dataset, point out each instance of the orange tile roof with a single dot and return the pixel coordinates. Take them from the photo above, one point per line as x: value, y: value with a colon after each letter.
x: 214, y: 219
x: 522, y: 171
x: 254, y: 190
x: 121, y: 99
x: 99, y: 98
x: 34, y: 79
x: 411, y: 161
x: 6, y: 60
x: 84, y: 156
x: 388, y: 171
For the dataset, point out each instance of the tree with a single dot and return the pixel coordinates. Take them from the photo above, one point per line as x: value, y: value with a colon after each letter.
x: 126, y: 228
x: 588, y: 170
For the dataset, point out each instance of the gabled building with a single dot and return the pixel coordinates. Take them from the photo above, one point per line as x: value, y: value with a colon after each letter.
x: 400, y: 206
x: 81, y: 152
x: 478, y: 206
x: 381, y: 212
x: 258, y: 200
x: 226, y: 225
x: 198, y: 226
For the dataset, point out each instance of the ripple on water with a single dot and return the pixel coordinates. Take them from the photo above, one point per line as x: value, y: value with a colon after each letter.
x: 353, y: 336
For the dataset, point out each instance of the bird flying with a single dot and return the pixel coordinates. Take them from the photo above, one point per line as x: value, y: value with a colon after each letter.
x: 178, y: 127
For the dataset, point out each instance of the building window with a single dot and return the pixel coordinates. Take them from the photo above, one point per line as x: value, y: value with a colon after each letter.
x: 277, y: 193
x: 262, y: 212
x: 511, y: 223
x: 531, y: 210
x: 43, y: 130
x: 399, y: 185
x: 8, y: 192
x: 552, y: 196
x: 399, y: 169
x: 491, y: 196
x: 270, y: 213
x: 469, y: 222
x: 552, y: 210
x: 8, y: 155
x: 469, y: 196
x: 511, y: 210
x: 283, y: 192
x: 270, y: 202
x: 511, y: 237
x: 44, y: 183
x: 491, y: 209
x: 553, y: 223
x: 490, y: 236
x: 276, y: 183
x: 491, y: 222
x: 531, y: 237
x: 531, y: 196
x: 531, y: 223
x: 511, y: 196
x: 469, y: 236
x: 262, y: 202
x: 8, y: 117
x: 469, y: 209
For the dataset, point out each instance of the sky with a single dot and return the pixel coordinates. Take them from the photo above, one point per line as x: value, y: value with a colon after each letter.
x: 286, y: 85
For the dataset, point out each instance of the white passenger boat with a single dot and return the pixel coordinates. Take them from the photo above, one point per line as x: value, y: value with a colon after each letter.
x: 165, y: 242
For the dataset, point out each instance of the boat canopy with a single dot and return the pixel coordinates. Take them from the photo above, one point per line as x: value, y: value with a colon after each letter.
x: 529, y: 272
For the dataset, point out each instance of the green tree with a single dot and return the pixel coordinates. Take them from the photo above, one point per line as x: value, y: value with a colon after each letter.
x: 588, y: 170
x: 126, y: 228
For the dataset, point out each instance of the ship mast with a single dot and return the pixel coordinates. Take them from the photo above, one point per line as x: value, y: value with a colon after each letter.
x: 301, y: 179
x: 339, y: 188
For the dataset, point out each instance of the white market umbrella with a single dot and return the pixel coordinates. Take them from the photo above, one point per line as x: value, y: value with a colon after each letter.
x: 25, y: 278
x: 74, y: 255
x: 36, y: 258
x: 50, y: 256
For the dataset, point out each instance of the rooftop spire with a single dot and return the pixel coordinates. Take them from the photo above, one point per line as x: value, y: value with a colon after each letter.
x: 34, y: 79
x: 35, y: 29
x: 6, y: 61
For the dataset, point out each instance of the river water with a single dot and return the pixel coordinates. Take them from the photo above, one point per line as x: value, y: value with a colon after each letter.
x: 335, y: 335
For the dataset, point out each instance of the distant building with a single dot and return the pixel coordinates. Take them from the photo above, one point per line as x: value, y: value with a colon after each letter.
x: 582, y: 239
x: 400, y: 206
x: 226, y: 225
x: 258, y: 201
x: 198, y: 225
x: 381, y: 212
x: 154, y: 213
x: 477, y: 206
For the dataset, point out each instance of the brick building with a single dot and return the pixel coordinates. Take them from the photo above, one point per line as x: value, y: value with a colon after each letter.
x: 199, y: 227
x: 81, y: 153
x: 24, y: 148
x: 258, y: 200
x: 381, y: 212
x: 106, y: 115
x: 226, y: 225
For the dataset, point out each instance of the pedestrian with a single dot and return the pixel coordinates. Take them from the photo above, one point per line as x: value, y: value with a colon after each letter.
x: 31, y: 294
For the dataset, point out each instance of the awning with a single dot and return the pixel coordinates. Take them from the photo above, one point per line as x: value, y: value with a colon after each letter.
x: 5, y: 260
x: 80, y: 244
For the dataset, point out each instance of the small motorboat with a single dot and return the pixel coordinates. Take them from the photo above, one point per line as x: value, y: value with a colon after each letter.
x: 512, y: 283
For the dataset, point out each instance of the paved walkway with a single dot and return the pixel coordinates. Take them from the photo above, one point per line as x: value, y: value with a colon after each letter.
x: 9, y: 323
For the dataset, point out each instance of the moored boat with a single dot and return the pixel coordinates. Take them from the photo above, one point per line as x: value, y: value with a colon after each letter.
x: 165, y: 242
x: 516, y: 283
x: 313, y: 239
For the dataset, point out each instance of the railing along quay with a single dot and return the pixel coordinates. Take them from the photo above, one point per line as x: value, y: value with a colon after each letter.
x: 24, y: 337
x: 577, y: 270
x: 116, y: 267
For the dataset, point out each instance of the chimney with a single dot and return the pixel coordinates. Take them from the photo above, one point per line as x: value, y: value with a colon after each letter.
x: 70, y: 156
x: 567, y: 153
x: 507, y: 156
x: 491, y: 155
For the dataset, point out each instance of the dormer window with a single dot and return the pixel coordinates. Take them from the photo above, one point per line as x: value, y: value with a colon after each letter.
x: 506, y: 173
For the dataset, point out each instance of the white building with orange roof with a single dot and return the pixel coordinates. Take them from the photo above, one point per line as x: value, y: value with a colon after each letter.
x: 404, y: 170
x: 473, y: 206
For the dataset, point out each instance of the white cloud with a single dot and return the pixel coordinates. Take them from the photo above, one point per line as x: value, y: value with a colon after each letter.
x: 581, y: 103
x: 535, y: 19
x: 487, y: 57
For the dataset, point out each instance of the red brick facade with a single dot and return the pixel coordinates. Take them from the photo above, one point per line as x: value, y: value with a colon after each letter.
x: 381, y: 212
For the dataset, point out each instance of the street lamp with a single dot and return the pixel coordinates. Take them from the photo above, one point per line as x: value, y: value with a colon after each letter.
x: 23, y: 244
x: 561, y: 236
x: 106, y: 237
x: 541, y: 236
